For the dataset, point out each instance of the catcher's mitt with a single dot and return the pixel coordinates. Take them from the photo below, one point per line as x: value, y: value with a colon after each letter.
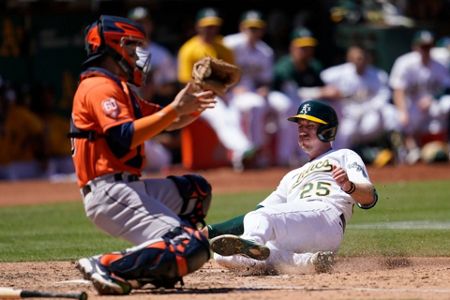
x: 215, y: 74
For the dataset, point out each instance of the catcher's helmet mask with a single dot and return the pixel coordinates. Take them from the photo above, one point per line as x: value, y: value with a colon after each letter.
x: 111, y: 35
x: 321, y: 113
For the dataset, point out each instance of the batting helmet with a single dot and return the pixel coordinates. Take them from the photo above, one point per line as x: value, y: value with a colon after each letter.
x: 435, y: 151
x: 110, y: 35
x: 319, y: 112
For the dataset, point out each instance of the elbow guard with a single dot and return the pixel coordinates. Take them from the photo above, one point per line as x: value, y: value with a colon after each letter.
x: 368, y: 206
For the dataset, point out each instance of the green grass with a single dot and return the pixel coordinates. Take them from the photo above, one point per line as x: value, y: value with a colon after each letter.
x: 411, y: 201
x: 62, y: 232
x: 50, y: 232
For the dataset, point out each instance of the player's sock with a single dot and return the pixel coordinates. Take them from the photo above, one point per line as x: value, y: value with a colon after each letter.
x: 233, y: 226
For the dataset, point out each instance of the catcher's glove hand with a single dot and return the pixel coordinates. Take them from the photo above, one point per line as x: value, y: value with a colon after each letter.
x: 215, y: 74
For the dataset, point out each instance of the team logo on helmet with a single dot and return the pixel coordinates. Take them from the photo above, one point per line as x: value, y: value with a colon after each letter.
x: 305, y: 109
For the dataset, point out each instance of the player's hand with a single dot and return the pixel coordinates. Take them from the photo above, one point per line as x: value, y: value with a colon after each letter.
x: 341, y: 178
x: 205, y: 231
x: 240, y: 89
x: 263, y: 91
x: 425, y: 103
x: 404, y: 118
x: 330, y: 92
x: 188, y: 101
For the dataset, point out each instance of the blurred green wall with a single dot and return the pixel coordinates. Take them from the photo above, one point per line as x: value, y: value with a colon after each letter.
x: 385, y: 43
x: 43, y: 49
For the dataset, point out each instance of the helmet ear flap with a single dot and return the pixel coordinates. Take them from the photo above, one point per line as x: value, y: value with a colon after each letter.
x: 95, y: 41
x: 100, y: 33
x: 326, y: 133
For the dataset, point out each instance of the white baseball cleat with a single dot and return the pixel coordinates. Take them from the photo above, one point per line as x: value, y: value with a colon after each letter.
x: 243, y: 265
x: 104, y: 282
x: 229, y: 244
x: 323, y: 261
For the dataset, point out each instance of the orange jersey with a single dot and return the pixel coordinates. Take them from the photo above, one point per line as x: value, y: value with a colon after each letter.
x: 101, y: 102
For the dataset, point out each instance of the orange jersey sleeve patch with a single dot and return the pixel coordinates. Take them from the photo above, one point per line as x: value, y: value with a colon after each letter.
x: 111, y: 108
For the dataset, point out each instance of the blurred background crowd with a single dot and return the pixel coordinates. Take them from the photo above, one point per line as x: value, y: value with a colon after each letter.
x: 382, y: 64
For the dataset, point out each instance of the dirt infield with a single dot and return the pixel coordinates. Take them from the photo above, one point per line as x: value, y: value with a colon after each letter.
x: 352, y: 278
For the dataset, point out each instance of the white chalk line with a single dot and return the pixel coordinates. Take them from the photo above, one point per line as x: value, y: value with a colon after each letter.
x: 309, y: 289
x: 74, y: 281
x: 404, y: 225
x: 415, y: 290
x: 361, y: 289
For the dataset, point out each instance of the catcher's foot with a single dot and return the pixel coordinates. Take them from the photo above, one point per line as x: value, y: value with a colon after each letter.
x: 104, y: 282
x: 323, y: 261
x: 229, y: 244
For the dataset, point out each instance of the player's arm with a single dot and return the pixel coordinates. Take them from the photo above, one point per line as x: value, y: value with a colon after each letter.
x: 186, y: 102
x: 362, y: 192
x: 398, y: 83
x: 399, y: 99
x: 383, y: 93
x: 183, y: 121
x: 130, y: 134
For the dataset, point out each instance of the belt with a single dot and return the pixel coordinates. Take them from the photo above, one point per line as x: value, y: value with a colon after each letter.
x: 341, y: 216
x: 85, y: 190
x: 129, y: 178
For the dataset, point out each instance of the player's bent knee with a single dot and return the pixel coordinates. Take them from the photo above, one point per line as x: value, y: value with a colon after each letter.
x: 196, y: 193
x: 165, y: 262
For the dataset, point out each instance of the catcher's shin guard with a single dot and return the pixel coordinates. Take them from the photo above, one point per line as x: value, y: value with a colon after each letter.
x: 163, y: 263
x: 196, y: 193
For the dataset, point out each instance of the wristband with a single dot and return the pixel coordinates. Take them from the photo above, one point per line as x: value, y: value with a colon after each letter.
x: 351, y: 189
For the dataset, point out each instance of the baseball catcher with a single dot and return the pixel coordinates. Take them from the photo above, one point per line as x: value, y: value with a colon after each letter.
x: 215, y: 75
x: 110, y: 124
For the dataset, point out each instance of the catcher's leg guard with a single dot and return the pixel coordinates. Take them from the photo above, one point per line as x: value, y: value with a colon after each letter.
x: 164, y: 263
x: 196, y: 193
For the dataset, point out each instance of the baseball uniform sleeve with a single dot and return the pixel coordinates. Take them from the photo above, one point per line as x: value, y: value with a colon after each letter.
x: 398, y: 79
x: 355, y: 168
x: 442, y: 74
x: 101, y: 105
x: 382, y: 94
x: 266, y: 74
x: 331, y: 75
x: 112, y: 110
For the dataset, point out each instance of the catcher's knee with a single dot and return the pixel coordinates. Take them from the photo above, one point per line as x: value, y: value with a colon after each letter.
x: 165, y: 262
x: 196, y: 193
